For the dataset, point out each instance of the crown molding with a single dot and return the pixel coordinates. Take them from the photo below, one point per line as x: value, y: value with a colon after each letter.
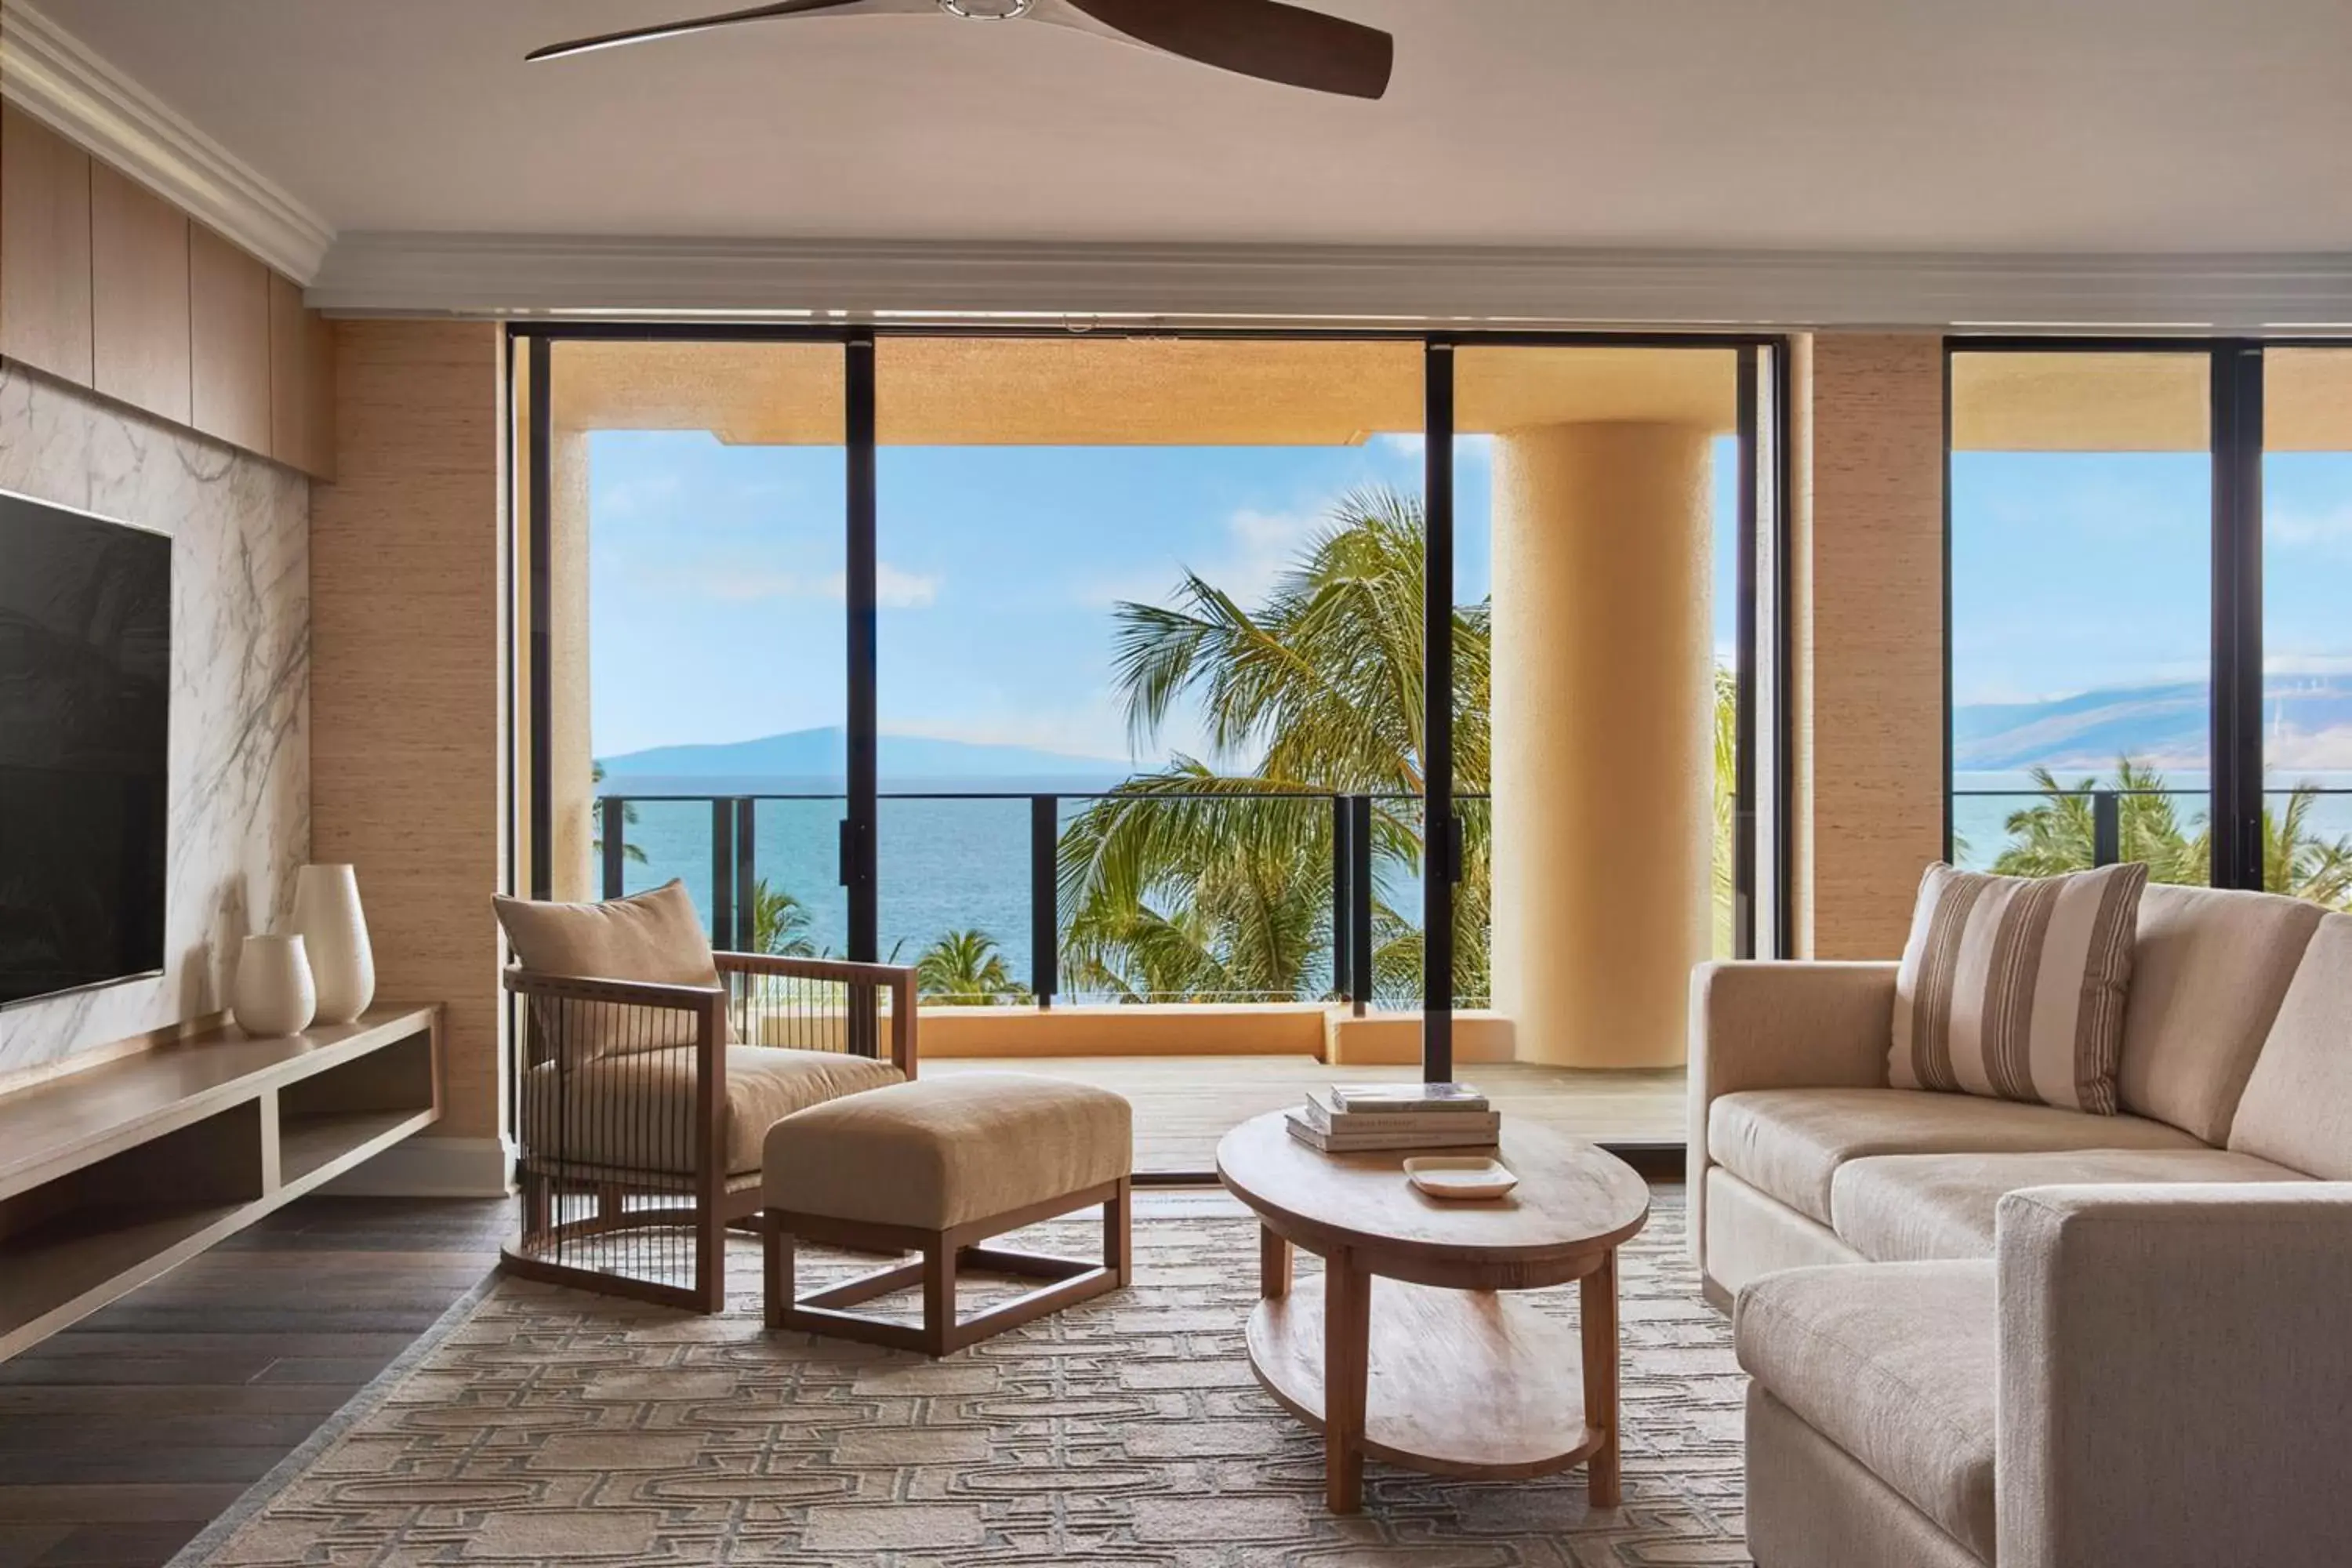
x: 55, y: 78
x: 541, y: 274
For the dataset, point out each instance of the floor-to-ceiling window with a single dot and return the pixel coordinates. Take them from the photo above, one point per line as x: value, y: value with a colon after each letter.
x: 2081, y: 609
x: 2150, y: 546
x: 2306, y: 576
x: 1091, y: 673
x: 1135, y: 643
x: 1609, y: 508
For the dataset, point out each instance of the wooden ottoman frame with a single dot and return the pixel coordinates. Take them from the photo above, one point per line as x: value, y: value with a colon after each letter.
x: 944, y: 1254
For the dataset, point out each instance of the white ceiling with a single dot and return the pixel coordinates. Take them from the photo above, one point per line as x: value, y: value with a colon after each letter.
x: 1945, y: 125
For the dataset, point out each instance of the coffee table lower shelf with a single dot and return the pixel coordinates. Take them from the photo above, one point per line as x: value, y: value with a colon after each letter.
x: 1474, y: 1383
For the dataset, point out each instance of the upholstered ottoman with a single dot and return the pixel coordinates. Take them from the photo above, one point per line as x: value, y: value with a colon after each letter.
x: 937, y: 1167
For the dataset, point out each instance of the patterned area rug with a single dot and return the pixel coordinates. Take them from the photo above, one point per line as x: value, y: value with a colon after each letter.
x: 553, y: 1427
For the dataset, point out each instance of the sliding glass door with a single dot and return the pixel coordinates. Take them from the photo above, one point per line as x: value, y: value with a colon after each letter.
x: 1170, y: 679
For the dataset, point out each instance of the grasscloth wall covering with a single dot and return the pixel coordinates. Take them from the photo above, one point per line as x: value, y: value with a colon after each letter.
x: 1872, y: 616
x: 240, y: 782
x: 405, y: 583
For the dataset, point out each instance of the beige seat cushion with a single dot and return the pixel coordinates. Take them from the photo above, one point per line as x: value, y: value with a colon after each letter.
x: 653, y: 938
x: 945, y: 1152
x: 1893, y: 1362
x: 2210, y: 971
x: 1905, y: 1208
x: 2297, y: 1108
x: 1789, y: 1142
x: 636, y: 1111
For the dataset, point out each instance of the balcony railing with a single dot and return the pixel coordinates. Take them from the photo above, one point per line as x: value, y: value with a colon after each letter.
x: 2107, y: 846
x: 1357, y: 872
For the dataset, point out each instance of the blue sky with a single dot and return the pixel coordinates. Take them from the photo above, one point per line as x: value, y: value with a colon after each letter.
x: 716, y: 580
x: 2077, y: 571
x: 717, y: 574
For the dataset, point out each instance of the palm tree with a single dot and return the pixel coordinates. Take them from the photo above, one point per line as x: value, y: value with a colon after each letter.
x: 2298, y: 860
x: 2059, y: 832
x: 2056, y: 834
x: 635, y: 854
x: 966, y: 966
x: 1210, y: 877
x: 780, y: 923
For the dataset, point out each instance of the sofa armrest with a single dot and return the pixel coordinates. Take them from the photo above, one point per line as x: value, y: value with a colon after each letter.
x: 1778, y: 1025
x: 2175, y: 1374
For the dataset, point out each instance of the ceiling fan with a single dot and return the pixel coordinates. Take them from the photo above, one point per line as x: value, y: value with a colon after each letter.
x: 1263, y: 38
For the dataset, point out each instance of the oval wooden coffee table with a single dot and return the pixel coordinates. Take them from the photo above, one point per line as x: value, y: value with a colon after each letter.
x: 1444, y: 1372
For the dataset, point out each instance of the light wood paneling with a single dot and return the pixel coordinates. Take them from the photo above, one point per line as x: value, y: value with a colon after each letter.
x: 1875, y: 567
x: 44, y: 248
x: 138, y: 296
x: 405, y: 674
x: 228, y: 299
x: 319, y: 350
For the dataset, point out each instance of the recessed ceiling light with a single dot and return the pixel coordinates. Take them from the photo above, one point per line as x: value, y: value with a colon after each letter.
x: 986, y: 10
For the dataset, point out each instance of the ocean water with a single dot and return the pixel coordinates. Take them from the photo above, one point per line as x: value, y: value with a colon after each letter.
x: 962, y: 864
x: 942, y: 864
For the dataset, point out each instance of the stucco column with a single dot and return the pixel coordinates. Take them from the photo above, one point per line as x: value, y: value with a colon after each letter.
x: 1602, y: 675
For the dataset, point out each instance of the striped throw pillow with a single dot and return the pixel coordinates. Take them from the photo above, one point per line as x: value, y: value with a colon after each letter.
x: 2012, y: 987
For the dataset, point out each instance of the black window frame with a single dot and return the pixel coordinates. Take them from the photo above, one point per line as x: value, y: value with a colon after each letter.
x: 1764, y: 666
x: 2235, y: 444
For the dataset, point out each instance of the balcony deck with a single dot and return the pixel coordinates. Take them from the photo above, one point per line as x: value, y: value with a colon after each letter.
x: 1185, y: 1104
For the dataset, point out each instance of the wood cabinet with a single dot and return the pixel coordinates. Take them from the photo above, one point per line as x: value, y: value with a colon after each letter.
x: 138, y: 296
x: 107, y: 286
x: 44, y: 248
x: 228, y: 298
x: 301, y: 382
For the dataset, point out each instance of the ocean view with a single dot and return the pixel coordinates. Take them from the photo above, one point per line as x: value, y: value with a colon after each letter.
x: 953, y: 864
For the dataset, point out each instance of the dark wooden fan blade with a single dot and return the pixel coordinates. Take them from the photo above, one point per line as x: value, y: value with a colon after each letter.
x: 695, y: 25
x: 1262, y: 38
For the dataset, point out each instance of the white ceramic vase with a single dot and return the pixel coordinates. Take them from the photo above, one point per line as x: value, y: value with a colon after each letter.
x: 273, y: 994
x: 342, y: 965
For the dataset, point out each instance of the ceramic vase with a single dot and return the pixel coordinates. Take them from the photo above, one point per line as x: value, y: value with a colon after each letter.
x: 273, y: 994
x: 342, y: 965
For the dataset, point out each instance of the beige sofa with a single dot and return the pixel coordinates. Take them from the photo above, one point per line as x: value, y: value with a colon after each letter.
x: 1987, y: 1332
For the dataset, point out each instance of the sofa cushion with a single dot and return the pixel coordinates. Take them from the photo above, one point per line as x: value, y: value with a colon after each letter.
x: 2014, y: 986
x: 636, y: 1111
x: 1789, y: 1142
x: 1906, y: 1207
x: 1895, y: 1362
x: 2211, y: 969
x: 2297, y: 1108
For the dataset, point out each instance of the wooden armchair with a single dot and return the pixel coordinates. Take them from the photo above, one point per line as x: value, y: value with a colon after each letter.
x: 642, y: 1108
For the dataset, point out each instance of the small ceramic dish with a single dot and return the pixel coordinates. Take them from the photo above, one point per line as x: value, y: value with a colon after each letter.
x: 1460, y: 1175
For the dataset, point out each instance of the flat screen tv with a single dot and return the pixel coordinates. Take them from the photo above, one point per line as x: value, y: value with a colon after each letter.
x: 85, y: 736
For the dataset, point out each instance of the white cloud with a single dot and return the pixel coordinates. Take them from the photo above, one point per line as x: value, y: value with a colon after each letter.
x: 1257, y: 547
x: 2330, y: 530
x: 1471, y: 449
x: 894, y: 589
x: 619, y: 499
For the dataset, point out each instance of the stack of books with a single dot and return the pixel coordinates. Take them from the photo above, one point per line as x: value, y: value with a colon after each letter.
x: 1357, y: 1117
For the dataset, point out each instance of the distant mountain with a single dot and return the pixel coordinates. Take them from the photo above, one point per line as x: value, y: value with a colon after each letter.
x: 2308, y: 724
x: 818, y: 753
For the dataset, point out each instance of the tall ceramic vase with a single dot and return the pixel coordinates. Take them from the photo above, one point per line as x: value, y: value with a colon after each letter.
x: 327, y: 913
x: 273, y: 994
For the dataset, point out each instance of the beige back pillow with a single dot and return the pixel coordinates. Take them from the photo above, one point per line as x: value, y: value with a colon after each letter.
x: 653, y: 938
x: 2012, y: 987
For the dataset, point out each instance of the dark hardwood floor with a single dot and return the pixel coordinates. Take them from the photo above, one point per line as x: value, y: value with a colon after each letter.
x: 123, y: 1436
